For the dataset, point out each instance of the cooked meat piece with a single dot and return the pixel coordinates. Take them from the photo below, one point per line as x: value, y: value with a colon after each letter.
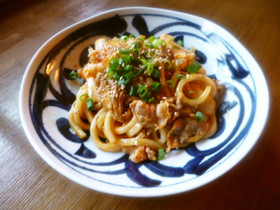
x: 151, y: 153
x: 138, y: 155
x: 145, y: 113
x: 112, y: 96
x: 184, y: 128
x: 163, y: 113
x: 141, y: 153
x: 151, y: 114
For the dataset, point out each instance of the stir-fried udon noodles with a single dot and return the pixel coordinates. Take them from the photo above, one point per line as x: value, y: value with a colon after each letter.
x: 144, y: 96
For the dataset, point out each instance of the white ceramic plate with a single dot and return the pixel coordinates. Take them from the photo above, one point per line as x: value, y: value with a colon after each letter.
x: 46, y: 95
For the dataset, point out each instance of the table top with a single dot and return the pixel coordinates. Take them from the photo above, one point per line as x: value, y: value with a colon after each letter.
x: 26, y: 181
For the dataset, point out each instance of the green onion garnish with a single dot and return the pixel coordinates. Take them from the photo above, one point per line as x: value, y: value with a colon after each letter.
x: 128, y: 67
x: 150, y: 100
x: 124, y: 51
x: 191, y: 92
x: 194, y: 67
x: 170, y: 83
x: 156, y: 86
x: 199, y: 116
x: 137, y: 45
x: 90, y: 104
x: 180, y: 42
x: 110, y: 74
x: 156, y: 73
x: 129, y: 75
x: 141, y: 39
x: 143, y: 61
x: 150, y: 54
x: 145, y: 94
x: 133, y: 90
x: 167, y: 64
x: 143, y: 91
x: 150, y: 69
x: 135, y: 53
x: 161, y: 154
x: 149, y: 45
x: 124, y: 59
x: 113, y: 63
x: 73, y: 75
x: 123, y: 38
x: 116, y: 76
x: 157, y: 43
x: 84, y: 97
x: 123, y: 81
x: 180, y: 76
x: 151, y: 38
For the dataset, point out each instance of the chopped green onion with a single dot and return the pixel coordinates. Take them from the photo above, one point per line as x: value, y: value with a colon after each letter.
x: 142, y: 91
x: 161, y: 154
x: 151, y: 99
x: 150, y: 54
x: 124, y: 81
x: 167, y: 64
x: 135, y: 53
x: 180, y: 42
x: 129, y: 75
x: 199, y: 116
x: 156, y: 86
x: 170, y: 83
x: 157, y: 43
x: 151, y: 38
x: 84, y: 97
x: 124, y: 59
x: 150, y: 69
x: 137, y: 45
x: 191, y: 92
x: 180, y: 76
x: 73, y: 75
x: 113, y: 63
x: 133, y: 90
x: 110, y: 74
x: 123, y: 38
x: 124, y: 51
x: 143, y: 61
x: 156, y: 73
x: 140, y: 71
x: 116, y: 76
x: 149, y: 45
x: 90, y: 104
x: 130, y: 36
x: 193, y: 67
x: 141, y: 39
x: 128, y: 67
x: 145, y: 94
x: 126, y: 78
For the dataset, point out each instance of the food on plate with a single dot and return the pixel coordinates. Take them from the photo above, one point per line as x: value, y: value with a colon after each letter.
x: 144, y: 96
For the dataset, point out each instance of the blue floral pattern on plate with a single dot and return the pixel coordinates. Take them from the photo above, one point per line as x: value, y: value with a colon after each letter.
x: 51, y: 95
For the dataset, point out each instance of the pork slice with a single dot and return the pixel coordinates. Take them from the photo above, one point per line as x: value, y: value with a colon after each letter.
x: 112, y: 96
x: 184, y: 128
x: 151, y: 115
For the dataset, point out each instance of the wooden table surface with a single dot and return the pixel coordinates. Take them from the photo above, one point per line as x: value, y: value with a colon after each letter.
x: 26, y: 181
